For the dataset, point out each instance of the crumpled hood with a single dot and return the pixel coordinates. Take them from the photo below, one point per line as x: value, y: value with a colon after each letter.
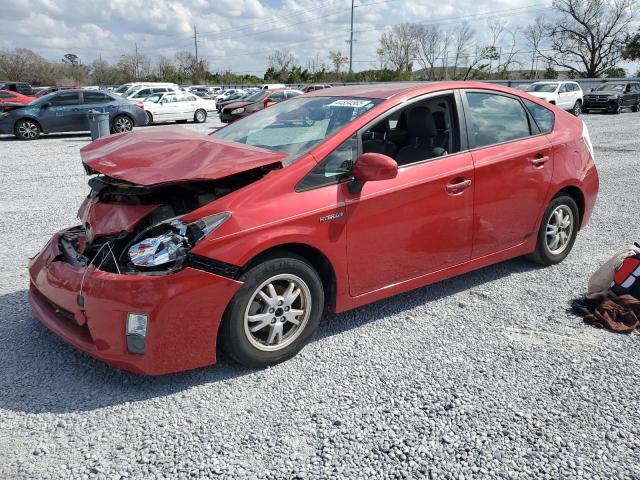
x: 151, y: 156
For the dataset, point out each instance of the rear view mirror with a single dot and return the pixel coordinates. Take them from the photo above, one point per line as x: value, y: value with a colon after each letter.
x: 372, y: 167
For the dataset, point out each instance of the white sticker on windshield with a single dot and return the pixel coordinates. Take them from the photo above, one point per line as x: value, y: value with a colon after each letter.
x: 350, y: 103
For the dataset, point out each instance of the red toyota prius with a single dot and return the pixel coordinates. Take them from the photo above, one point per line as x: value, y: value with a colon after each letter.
x: 331, y: 200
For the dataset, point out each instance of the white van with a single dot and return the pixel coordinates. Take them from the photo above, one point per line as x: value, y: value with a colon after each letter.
x: 272, y: 86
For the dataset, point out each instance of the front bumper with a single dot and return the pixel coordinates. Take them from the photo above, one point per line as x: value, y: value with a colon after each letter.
x: 184, y: 309
x: 228, y: 117
x: 609, y: 105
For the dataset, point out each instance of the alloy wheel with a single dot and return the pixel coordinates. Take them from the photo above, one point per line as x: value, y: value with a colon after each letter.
x: 559, y: 229
x: 122, y: 124
x: 28, y: 130
x: 278, y: 312
x: 577, y: 109
x: 200, y: 116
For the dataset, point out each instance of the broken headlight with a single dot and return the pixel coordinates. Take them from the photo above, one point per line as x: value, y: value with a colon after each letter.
x: 170, y: 241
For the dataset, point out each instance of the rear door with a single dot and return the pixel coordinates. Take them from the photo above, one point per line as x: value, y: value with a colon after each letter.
x: 565, y: 97
x: 513, y: 167
x: 63, y: 113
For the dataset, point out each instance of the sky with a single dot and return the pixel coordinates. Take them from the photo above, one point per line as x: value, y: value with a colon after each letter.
x: 237, y: 34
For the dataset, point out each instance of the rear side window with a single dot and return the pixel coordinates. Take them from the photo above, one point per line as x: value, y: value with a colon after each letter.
x: 494, y: 118
x: 542, y: 116
x: 65, y: 98
x: 96, y: 97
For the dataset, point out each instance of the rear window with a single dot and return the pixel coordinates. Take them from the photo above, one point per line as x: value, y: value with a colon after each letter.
x: 543, y: 117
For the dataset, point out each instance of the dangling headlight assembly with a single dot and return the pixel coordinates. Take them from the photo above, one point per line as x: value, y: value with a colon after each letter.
x: 166, y: 244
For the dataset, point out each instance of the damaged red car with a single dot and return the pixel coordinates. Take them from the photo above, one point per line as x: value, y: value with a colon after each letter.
x: 244, y: 238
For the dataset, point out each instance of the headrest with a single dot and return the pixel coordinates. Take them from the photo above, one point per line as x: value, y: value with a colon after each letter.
x: 438, y: 119
x: 420, y: 123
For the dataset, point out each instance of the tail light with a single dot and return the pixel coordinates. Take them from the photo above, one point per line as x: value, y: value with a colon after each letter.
x: 587, y: 139
x: 139, y: 105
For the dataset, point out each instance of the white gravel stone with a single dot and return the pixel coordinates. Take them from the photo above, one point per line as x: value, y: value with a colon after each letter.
x: 485, y: 375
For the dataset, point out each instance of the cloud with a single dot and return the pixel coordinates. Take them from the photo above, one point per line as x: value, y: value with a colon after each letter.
x: 233, y: 34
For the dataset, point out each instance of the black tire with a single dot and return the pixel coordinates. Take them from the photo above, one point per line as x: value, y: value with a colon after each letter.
x: 618, y: 110
x: 577, y: 108
x: 27, y: 129
x: 200, y: 116
x: 234, y: 336
x: 121, y: 123
x: 543, y: 254
x: 149, y: 118
x: 636, y: 107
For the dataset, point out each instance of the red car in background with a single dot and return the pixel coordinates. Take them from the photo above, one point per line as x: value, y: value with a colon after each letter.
x: 7, y: 96
x: 256, y: 102
x: 244, y: 238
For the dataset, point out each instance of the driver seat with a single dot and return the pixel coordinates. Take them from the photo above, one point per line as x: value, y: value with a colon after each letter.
x: 422, y: 133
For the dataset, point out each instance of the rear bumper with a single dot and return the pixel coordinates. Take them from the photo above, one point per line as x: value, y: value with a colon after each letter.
x: 184, y: 312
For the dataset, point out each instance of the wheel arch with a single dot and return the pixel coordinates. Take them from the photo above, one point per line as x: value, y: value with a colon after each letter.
x: 318, y: 260
x: 577, y: 195
x: 123, y: 114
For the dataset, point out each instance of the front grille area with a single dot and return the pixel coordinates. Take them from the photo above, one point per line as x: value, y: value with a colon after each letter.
x: 597, y: 98
x: 65, y: 317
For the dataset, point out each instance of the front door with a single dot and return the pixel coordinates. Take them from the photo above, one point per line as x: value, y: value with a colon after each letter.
x: 63, y: 113
x: 513, y: 166
x: 421, y: 221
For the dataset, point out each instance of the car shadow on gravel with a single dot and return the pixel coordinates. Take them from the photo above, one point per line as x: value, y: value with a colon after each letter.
x: 50, y: 136
x: 42, y: 374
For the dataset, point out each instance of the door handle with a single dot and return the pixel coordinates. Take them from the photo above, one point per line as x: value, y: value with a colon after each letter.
x: 539, y: 160
x: 458, y: 185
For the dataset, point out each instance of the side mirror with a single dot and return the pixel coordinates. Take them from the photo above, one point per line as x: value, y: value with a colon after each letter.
x: 372, y: 167
x: 46, y: 105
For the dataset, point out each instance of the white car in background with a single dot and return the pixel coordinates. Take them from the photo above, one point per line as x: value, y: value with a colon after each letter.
x: 566, y: 95
x: 143, y: 92
x: 177, y: 106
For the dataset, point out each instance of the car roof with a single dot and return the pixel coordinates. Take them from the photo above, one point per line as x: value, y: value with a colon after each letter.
x: 385, y: 91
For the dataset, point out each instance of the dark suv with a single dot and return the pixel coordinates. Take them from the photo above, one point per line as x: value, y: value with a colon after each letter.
x: 613, y: 97
x: 66, y: 111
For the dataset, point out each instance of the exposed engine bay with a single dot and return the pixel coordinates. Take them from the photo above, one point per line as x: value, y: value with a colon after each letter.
x: 134, y: 229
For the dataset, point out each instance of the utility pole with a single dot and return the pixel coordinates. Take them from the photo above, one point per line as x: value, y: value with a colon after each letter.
x: 351, y: 42
x: 197, y: 65
x: 135, y: 65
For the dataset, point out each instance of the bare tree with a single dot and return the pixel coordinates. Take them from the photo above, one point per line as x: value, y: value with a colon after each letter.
x: 431, y: 44
x: 509, y: 52
x: 282, y: 61
x: 337, y: 59
x: 534, y: 35
x: 462, y: 44
x: 399, y: 45
x: 588, y: 37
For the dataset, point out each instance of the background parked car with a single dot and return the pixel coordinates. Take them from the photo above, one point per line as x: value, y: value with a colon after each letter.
x: 142, y: 93
x: 612, y: 97
x: 315, y: 86
x: 180, y: 106
x: 66, y: 111
x: 21, y: 87
x: 566, y: 95
x: 256, y: 102
x: 7, y: 96
x: 224, y: 95
x: 236, y: 97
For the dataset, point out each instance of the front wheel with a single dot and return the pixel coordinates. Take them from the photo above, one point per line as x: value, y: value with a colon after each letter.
x: 636, y: 107
x: 26, y: 129
x: 275, y: 312
x: 557, y: 232
x: 200, y: 116
x: 577, y: 108
x: 121, y: 124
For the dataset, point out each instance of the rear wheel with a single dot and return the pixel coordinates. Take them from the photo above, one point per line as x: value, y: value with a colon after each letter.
x: 27, y: 129
x: 200, y: 116
x: 557, y: 232
x: 275, y: 312
x: 577, y: 108
x: 149, y: 118
x: 121, y: 124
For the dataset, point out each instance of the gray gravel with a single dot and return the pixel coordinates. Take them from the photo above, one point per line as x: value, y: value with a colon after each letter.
x: 485, y: 375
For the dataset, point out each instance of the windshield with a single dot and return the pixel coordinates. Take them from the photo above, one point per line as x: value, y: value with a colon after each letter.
x: 122, y: 88
x: 297, y: 125
x: 616, y: 87
x: 257, y: 96
x: 542, y: 87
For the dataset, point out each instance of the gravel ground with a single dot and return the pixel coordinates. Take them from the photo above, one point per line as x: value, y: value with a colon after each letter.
x: 485, y: 375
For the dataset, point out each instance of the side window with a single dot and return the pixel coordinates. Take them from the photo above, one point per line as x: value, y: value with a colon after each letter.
x: 96, y: 97
x: 291, y: 94
x: 276, y: 97
x: 543, y: 116
x: 420, y: 131
x: 495, y: 118
x: 335, y: 167
x: 65, y: 98
x: 5, y: 95
x: 143, y: 93
x: 563, y: 88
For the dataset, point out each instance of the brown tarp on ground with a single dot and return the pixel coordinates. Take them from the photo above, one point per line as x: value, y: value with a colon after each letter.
x: 620, y: 314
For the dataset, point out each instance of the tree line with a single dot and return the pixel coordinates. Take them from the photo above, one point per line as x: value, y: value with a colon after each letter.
x: 584, y: 38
